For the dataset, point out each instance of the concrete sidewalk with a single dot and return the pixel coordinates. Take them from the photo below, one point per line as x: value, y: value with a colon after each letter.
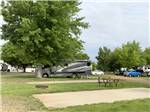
x: 61, y: 100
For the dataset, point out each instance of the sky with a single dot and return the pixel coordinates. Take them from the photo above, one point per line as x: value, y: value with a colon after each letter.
x: 112, y: 23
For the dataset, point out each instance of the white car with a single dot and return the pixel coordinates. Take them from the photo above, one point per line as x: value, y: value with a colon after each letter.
x: 97, y: 72
x: 30, y: 69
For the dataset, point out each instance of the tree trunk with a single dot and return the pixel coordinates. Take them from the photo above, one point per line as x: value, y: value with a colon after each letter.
x: 38, y: 72
x: 17, y: 68
x: 24, y: 68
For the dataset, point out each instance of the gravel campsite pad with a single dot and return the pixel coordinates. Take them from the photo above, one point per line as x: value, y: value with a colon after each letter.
x: 61, y: 100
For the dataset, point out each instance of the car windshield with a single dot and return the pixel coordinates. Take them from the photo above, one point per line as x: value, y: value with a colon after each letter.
x: 131, y: 70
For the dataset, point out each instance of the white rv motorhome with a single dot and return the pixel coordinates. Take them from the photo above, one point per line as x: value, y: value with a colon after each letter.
x: 74, y: 69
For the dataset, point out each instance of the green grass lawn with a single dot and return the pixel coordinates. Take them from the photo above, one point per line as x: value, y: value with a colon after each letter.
x: 25, y: 77
x: 16, y: 94
x: 123, y: 106
x: 26, y: 89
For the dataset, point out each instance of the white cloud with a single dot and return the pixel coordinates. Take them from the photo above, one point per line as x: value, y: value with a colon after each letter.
x: 113, y: 24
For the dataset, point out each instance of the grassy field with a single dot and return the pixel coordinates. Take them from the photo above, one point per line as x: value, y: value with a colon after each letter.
x: 17, y: 95
x: 123, y: 106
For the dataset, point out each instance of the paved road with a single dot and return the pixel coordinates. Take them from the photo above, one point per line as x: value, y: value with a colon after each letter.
x: 145, y: 80
x: 132, y: 79
x: 69, y: 81
x: 61, y: 100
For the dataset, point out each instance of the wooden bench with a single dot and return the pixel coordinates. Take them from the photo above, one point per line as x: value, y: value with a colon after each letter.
x: 108, y: 81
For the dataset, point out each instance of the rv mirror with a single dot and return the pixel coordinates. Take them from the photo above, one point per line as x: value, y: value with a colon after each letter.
x: 88, y: 63
x: 66, y: 64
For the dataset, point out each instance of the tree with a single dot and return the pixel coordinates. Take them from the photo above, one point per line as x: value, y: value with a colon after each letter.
x: 47, y: 31
x: 146, y: 55
x: 114, y: 63
x: 81, y: 56
x: 15, y: 56
x: 103, y: 58
x: 94, y: 66
x: 130, y: 55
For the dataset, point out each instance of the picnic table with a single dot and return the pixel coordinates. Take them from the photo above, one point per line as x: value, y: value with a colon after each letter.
x: 108, y: 81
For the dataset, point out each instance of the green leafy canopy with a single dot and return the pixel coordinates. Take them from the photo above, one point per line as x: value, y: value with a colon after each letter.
x: 48, y: 31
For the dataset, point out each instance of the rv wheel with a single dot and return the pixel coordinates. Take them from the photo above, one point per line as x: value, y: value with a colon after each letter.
x: 78, y: 76
x: 74, y: 75
x: 45, y: 75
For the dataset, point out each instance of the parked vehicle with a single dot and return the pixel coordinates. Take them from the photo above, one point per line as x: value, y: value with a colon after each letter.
x: 74, y: 69
x: 97, y: 72
x: 30, y: 69
x: 133, y: 73
x: 145, y: 70
x: 120, y: 71
x: 5, y: 67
